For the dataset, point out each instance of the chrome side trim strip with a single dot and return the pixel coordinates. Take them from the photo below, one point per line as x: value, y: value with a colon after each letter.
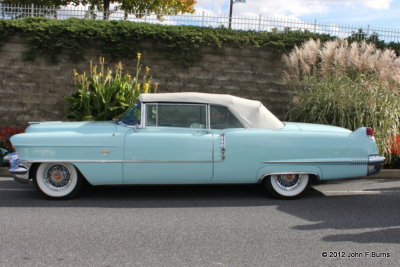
x: 39, y: 122
x: 166, y: 161
x: 347, y: 162
x: 125, y: 161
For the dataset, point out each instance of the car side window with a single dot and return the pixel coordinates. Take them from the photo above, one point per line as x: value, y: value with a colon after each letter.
x: 222, y: 118
x: 151, y: 115
x: 176, y: 115
x: 132, y: 115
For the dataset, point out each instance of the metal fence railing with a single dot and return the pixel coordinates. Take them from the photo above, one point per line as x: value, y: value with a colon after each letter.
x: 253, y: 23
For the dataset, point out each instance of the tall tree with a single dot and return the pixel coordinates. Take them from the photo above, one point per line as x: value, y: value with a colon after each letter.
x: 164, y: 7
x: 39, y: 2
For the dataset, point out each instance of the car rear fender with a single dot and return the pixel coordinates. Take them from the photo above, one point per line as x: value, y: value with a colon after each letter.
x: 363, y: 144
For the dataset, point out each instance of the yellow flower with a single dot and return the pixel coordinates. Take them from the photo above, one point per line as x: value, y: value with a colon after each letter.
x: 129, y: 76
x: 146, y: 87
x: 147, y: 69
x: 138, y: 55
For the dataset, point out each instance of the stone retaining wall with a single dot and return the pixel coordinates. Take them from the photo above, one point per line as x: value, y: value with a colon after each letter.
x: 35, y: 90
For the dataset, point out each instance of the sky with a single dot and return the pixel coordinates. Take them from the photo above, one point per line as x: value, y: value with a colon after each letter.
x: 377, y: 13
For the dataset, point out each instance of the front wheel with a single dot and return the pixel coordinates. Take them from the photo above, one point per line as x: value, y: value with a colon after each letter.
x: 57, y: 180
x: 287, y: 186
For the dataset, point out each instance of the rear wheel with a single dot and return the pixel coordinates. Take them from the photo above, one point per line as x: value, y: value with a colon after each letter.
x: 287, y: 186
x: 57, y: 180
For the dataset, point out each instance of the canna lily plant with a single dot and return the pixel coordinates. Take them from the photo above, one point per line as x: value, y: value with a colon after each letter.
x: 105, y: 93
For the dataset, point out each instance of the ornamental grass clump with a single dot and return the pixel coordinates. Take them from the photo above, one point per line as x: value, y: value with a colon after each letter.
x: 347, y: 85
x: 106, y: 93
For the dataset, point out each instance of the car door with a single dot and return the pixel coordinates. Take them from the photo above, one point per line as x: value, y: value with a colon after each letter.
x: 232, y: 148
x: 174, y: 145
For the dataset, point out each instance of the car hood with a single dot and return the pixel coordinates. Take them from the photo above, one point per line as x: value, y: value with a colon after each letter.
x: 82, y: 126
x: 309, y: 127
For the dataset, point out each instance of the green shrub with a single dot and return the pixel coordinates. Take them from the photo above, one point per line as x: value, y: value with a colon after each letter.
x: 50, y: 38
x: 105, y: 93
x: 3, y: 152
x: 347, y: 85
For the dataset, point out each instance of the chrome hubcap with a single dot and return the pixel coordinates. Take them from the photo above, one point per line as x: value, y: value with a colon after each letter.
x: 57, y: 177
x: 288, y: 181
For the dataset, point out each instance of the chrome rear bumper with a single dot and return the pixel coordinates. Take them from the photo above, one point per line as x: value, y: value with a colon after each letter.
x: 375, y: 163
x: 18, y: 168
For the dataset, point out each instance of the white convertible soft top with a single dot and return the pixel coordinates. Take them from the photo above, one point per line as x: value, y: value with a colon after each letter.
x: 251, y: 113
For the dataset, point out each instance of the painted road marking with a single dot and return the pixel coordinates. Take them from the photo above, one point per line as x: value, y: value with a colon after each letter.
x: 357, y: 192
x: 16, y: 189
x: 6, y: 179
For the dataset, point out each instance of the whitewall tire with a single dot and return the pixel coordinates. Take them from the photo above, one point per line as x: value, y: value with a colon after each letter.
x: 287, y: 186
x: 57, y: 180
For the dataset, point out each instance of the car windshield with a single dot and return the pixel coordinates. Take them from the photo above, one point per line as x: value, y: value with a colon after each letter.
x: 132, y: 115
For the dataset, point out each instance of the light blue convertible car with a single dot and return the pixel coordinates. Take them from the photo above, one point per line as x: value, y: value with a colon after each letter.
x: 190, y: 138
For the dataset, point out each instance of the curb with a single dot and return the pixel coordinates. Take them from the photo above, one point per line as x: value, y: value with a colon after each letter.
x: 384, y: 174
x: 4, y: 172
x: 387, y: 173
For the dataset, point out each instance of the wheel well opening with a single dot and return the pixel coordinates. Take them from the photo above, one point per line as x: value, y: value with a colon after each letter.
x: 314, y: 178
x: 81, y: 175
x: 35, y: 166
x: 33, y: 169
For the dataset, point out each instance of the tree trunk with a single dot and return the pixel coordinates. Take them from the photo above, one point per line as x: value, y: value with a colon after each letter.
x: 106, y: 9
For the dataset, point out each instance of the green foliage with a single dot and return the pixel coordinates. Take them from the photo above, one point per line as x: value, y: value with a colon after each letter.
x: 50, y: 38
x: 158, y: 6
x: 3, y: 152
x: 39, y: 2
x: 104, y: 93
x: 136, y: 6
x: 5, y: 32
x: 116, y: 39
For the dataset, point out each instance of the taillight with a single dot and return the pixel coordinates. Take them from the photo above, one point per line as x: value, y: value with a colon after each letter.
x: 370, y: 131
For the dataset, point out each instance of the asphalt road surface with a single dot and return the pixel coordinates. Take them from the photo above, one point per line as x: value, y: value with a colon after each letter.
x: 346, y: 223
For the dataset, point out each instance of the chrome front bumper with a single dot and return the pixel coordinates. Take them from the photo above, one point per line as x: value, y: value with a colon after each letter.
x: 375, y: 164
x: 18, y: 168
